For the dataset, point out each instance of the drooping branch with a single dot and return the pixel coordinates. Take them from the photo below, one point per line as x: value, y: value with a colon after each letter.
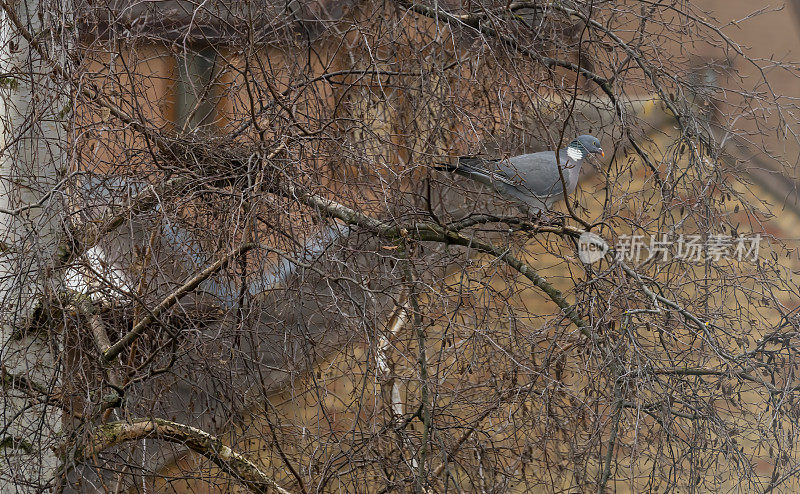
x: 430, y: 232
x: 113, y: 434
x: 527, y: 271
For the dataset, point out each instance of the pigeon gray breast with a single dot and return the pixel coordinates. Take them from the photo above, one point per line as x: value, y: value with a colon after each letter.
x: 530, y: 179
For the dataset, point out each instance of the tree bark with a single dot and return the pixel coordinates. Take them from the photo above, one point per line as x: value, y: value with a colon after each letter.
x: 33, y: 160
x: 113, y: 434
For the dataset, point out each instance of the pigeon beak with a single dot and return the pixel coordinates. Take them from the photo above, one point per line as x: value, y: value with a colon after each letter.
x: 602, y: 153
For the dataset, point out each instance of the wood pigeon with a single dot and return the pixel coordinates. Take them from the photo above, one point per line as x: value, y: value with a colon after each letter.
x: 531, y: 179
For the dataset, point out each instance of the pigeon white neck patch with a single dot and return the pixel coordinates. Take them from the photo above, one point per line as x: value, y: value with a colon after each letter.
x: 574, y: 153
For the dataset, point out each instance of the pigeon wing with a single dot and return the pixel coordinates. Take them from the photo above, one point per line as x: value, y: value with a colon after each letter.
x: 530, y: 178
x: 535, y: 174
x: 488, y: 172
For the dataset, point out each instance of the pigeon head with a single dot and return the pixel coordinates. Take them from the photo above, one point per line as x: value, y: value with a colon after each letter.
x: 584, y: 145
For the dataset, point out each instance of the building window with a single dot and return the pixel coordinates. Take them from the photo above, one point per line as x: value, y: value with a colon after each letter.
x: 195, y: 98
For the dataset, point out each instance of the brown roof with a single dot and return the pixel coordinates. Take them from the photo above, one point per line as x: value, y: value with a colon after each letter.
x: 206, y: 22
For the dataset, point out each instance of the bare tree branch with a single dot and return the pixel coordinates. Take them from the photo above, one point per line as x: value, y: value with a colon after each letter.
x: 109, y: 435
x: 171, y: 300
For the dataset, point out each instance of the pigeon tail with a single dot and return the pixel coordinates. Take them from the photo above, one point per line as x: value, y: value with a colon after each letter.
x: 470, y: 167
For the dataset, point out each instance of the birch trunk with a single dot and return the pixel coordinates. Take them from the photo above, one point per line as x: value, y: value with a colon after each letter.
x: 34, y: 114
